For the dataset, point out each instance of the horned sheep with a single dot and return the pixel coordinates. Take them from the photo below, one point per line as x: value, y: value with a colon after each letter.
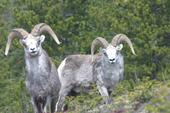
x: 78, y: 72
x: 42, y: 81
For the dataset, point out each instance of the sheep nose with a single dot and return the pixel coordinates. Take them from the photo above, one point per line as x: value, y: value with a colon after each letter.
x: 112, y: 59
x: 32, y: 49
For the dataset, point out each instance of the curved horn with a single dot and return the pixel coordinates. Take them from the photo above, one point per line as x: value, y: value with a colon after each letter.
x: 122, y: 38
x: 15, y: 33
x: 98, y: 42
x: 40, y: 28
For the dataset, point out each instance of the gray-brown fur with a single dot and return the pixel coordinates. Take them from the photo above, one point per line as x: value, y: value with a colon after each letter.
x: 77, y: 75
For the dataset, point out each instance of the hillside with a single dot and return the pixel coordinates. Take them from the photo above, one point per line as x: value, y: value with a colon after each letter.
x: 150, y: 96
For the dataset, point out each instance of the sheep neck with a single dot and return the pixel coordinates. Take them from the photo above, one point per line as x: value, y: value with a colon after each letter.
x: 37, y: 66
x: 107, y: 67
x: 112, y: 70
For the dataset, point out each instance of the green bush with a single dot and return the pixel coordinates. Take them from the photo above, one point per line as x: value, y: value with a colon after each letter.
x: 84, y: 101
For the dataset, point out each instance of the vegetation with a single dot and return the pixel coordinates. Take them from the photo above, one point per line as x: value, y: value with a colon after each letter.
x: 84, y: 102
x: 76, y: 23
x: 149, y: 96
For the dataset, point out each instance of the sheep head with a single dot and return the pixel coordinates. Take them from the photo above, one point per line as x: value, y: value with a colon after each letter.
x: 31, y: 42
x: 111, y: 50
x: 32, y: 45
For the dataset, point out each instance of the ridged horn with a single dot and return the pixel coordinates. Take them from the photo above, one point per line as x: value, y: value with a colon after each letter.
x: 98, y: 42
x: 15, y: 33
x: 40, y: 28
x: 122, y: 38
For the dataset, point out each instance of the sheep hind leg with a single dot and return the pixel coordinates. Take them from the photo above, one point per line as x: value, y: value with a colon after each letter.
x: 64, y: 91
x: 110, y: 95
x: 45, y: 104
x: 35, y: 104
x: 53, y: 104
x: 71, y: 93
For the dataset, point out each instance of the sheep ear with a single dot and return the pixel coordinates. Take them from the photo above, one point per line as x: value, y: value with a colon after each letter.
x: 119, y: 47
x: 22, y: 42
x: 102, y: 50
x: 42, y: 38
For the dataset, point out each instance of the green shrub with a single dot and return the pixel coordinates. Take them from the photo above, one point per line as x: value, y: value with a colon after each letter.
x: 84, y: 101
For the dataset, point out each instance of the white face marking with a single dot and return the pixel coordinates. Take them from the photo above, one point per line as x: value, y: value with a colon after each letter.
x: 111, y: 53
x: 32, y: 44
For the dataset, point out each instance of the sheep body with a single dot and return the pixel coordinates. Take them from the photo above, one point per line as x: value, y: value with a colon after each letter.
x: 78, y: 72
x: 42, y: 76
x: 85, y: 73
x: 42, y: 81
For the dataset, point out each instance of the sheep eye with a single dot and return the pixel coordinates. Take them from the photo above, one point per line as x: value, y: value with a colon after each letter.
x: 38, y: 43
x: 24, y: 45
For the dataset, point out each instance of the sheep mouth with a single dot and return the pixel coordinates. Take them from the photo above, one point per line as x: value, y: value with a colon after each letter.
x: 33, y: 51
x: 112, y: 62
